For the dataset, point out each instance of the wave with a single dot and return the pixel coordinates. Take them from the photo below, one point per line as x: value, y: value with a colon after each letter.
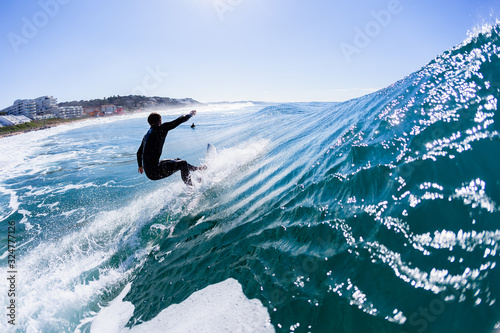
x: 343, y: 217
x: 355, y: 205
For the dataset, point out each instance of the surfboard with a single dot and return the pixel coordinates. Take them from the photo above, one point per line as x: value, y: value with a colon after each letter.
x: 210, y: 156
x: 211, y: 152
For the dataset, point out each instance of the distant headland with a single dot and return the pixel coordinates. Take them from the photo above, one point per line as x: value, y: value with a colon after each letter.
x: 133, y: 102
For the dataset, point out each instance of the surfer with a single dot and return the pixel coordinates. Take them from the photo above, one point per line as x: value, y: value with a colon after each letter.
x: 148, y: 155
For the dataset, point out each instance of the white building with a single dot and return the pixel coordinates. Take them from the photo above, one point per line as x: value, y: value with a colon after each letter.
x: 42, y: 108
x: 67, y: 112
x: 22, y: 107
x: 46, y: 106
x: 13, y: 120
x: 108, y: 109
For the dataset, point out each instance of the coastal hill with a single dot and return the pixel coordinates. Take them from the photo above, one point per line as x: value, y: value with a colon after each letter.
x: 134, y: 102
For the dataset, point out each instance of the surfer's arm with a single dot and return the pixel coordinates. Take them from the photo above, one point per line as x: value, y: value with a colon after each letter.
x: 173, y: 124
x: 139, y: 158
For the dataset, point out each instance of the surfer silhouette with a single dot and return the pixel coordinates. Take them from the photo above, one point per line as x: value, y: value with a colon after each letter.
x: 148, y: 155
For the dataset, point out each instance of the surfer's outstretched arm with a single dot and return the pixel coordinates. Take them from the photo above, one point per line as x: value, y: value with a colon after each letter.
x: 173, y: 124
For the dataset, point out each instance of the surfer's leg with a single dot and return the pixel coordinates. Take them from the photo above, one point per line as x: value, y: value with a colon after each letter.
x: 185, y: 175
x: 185, y: 171
x: 169, y: 167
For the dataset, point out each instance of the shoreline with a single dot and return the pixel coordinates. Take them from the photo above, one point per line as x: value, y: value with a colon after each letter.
x: 37, y: 126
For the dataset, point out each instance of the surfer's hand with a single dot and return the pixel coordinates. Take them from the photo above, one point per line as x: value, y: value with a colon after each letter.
x: 192, y: 113
x: 141, y: 170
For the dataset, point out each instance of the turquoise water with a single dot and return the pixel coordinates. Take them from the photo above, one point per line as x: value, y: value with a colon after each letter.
x: 379, y: 214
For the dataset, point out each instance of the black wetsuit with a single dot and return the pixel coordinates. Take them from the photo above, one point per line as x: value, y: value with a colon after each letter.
x: 148, y: 155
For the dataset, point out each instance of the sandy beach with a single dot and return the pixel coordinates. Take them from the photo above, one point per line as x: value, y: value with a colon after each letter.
x: 36, y: 126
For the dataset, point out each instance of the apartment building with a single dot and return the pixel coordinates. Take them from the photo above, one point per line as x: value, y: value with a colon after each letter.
x: 67, y: 112
x: 41, y: 108
x: 46, y: 106
x: 22, y: 107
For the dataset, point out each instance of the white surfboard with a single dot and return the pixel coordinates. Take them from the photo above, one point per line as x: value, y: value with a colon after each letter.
x: 210, y: 156
x: 211, y: 152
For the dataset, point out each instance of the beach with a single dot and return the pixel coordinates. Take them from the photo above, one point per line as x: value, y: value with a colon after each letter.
x: 37, y: 125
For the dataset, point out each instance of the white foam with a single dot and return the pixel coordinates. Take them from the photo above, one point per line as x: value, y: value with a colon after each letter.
x: 53, y: 284
x: 54, y: 287
x: 221, y: 307
x: 224, y: 107
x: 113, y: 318
x: 228, y: 161
x: 486, y: 27
x: 57, y: 274
x: 13, y: 205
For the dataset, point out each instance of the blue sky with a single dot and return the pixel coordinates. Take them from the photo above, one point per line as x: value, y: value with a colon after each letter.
x: 224, y: 50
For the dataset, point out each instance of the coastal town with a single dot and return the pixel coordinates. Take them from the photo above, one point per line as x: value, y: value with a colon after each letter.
x: 45, y: 110
x: 44, y: 107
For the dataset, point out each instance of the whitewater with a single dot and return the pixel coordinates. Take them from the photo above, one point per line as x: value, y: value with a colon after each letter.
x: 378, y: 214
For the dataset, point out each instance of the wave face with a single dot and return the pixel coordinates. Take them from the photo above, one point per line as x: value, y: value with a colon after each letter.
x: 379, y: 214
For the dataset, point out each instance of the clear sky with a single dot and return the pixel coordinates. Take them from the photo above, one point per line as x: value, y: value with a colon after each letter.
x: 224, y: 50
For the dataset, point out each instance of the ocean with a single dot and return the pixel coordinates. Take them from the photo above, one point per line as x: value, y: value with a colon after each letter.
x: 378, y: 214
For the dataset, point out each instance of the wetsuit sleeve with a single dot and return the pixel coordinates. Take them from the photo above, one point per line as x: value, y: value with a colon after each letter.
x: 173, y: 124
x: 139, y: 154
